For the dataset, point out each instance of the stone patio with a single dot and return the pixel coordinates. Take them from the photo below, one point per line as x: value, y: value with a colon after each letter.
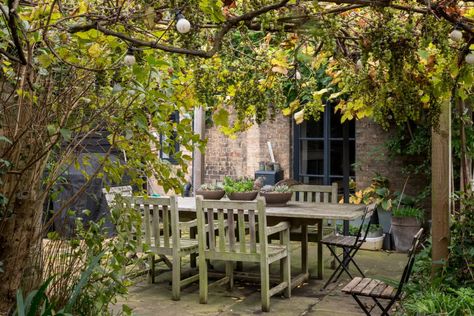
x: 308, y: 299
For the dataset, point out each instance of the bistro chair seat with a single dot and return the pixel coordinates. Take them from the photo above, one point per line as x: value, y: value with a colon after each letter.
x: 378, y: 290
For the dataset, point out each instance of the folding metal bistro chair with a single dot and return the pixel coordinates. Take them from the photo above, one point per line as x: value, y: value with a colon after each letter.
x: 350, y: 245
x: 378, y: 290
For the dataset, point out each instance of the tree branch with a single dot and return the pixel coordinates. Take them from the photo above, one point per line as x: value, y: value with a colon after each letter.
x: 217, y: 41
x: 12, y: 6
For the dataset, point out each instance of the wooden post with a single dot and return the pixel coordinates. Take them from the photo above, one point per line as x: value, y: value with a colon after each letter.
x: 441, y: 187
x: 198, y: 164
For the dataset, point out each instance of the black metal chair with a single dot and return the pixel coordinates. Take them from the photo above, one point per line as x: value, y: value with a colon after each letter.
x: 350, y: 245
x: 377, y: 289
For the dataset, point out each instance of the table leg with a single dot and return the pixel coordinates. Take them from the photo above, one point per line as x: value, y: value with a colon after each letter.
x: 320, y: 250
x: 304, y: 249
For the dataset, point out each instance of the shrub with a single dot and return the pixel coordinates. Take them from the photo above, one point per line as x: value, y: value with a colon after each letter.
x: 407, y: 211
x: 238, y: 185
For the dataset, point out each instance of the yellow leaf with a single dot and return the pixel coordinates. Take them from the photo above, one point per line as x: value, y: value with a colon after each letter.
x: 280, y: 70
x: 299, y: 116
x: 95, y: 50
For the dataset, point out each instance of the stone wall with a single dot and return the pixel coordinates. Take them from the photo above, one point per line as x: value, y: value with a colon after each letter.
x: 240, y: 156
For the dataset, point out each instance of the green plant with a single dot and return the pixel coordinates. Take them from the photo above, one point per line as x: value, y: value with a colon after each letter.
x: 210, y: 187
x: 407, y: 211
x: 435, y: 301
x: 238, y: 185
x: 278, y: 188
x: 378, y: 192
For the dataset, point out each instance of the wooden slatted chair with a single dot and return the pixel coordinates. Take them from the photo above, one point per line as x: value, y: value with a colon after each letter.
x: 314, y: 194
x: 350, y: 245
x: 110, y: 193
x: 162, y: 234
x: 231, y: 219
x: 378, y: 290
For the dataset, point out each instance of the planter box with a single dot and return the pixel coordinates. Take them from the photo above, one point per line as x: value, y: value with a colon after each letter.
x: 374, y: 243
x: 403, y: 230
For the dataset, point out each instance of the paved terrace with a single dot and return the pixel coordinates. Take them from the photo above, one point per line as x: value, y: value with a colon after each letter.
x: 155, y: 299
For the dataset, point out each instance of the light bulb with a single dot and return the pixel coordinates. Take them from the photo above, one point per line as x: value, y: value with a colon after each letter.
x: 129, y: 59
x: 359, y: 65
x: 297, y: 75
x: 182, y: 25
x: 469, y: 58
x: 455, y: 35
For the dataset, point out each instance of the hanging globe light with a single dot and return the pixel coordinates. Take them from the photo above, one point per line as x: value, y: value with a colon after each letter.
x: 455, y: 35
x: 182, y: 24
x: 469, y: 58
x: 129, y: 59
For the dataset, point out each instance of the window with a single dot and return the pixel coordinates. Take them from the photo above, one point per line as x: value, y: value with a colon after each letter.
x: 324, y: 151
x: 163, y: 141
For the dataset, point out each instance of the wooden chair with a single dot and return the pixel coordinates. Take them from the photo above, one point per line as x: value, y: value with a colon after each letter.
x: 162, y: 234
x: 110, y: 194
x: 314, y: 194
x: 219, y: 216
x: 378, y: 290
x: 350, y: 245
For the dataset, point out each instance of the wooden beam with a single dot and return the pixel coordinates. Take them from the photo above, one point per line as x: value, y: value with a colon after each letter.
x: 441, y: 187
x: 198, y: 165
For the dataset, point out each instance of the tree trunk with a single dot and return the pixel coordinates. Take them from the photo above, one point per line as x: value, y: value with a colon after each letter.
x: 441, y: 187
x: 20, y: 245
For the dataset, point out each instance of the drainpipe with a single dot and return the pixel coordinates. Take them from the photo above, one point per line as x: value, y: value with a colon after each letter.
x: 198, y: 157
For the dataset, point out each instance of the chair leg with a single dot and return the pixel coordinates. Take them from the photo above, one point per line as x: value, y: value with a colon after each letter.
x: 151, y: 272
x: 229, y: 272
x: 192, y: 235
x: 362, y: 306
x: 285, y: 264
x: 265, y: 286
x: 340, y: 268
x: 176, y: 278
x: 202, y: 280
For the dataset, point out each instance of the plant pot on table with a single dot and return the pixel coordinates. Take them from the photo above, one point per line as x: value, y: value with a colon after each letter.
x: 211, y: 194
x: 243, y: 196
x: 276, y: 198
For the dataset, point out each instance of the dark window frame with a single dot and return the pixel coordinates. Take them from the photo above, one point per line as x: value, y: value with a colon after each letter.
x: 174, y: 118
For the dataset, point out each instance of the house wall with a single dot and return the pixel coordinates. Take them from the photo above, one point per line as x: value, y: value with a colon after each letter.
x: 240, y: 156
x: 372, y: 157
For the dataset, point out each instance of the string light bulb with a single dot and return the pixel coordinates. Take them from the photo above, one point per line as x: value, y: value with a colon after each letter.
x: 469, y: 58
x: 455, y: 35
x: 129, y: 59
x: 182, y: 24
x: 359, y: 64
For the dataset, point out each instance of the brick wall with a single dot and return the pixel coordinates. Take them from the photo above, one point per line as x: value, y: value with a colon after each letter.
x: 372, y: 157
x: 240, y: 156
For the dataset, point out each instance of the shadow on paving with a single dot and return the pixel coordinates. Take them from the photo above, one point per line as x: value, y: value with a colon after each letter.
x: 308, y: 299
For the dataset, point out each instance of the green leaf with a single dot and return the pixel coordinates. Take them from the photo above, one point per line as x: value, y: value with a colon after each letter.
x: 66, y: 134
x: 221, y: 118
x: 4, y: 139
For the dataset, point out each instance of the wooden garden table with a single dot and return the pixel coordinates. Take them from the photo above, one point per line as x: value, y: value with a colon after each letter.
x: 300, y: 214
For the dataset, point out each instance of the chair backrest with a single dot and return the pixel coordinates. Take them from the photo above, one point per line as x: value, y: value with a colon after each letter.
x: 364, y: 227
x: 110, y: 194
x: 160, y: 221
x: 230, y: 219
x: 411, y: 260
x: 314, y: 193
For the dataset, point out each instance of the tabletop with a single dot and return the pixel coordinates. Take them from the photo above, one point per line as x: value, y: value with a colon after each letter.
x: 342, y: 211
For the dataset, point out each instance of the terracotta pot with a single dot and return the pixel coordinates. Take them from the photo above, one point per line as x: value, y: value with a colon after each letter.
x: 243, y: 196
x: 211, y: 195
x: 276, y: 198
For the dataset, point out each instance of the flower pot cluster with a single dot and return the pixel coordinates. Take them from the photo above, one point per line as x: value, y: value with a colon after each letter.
x: 245, y: 189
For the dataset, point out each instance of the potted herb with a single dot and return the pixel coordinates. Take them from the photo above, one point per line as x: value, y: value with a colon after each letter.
x: 240, y: 189
x: 406, y: 221
x: 277, y: 195
x: 210, y: 191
